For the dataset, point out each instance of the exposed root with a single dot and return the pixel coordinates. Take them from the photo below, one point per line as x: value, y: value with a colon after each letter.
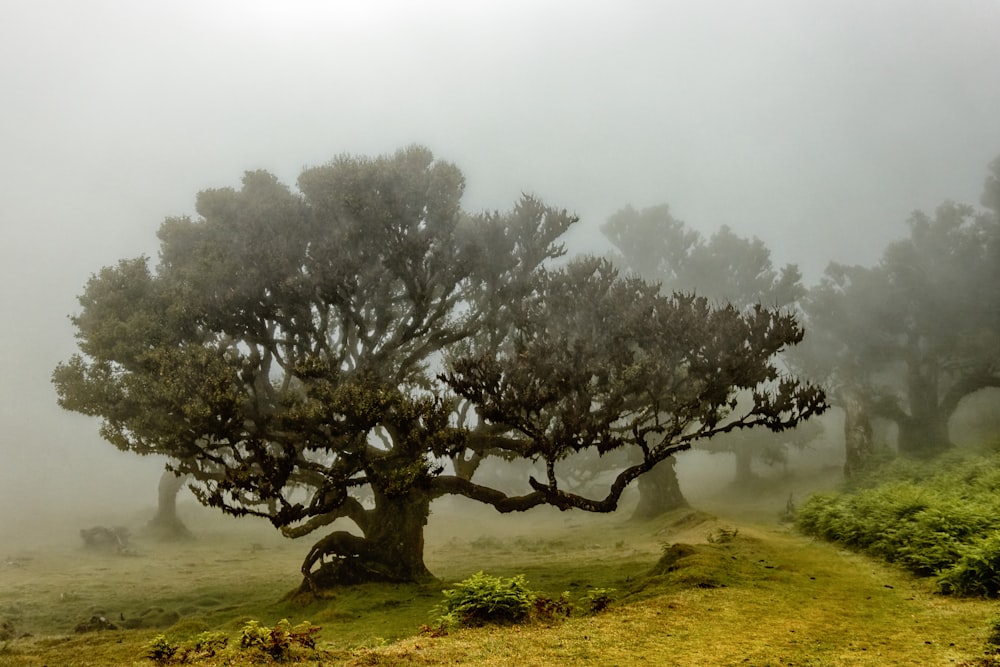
x: 344, y: 559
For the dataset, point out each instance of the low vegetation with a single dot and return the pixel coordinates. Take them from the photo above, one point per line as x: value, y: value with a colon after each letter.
x: 257, y: 643
x: 483, y: 599
x: 937, y: 518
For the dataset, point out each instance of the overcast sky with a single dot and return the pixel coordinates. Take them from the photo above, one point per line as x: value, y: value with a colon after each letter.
x: 816, y: 126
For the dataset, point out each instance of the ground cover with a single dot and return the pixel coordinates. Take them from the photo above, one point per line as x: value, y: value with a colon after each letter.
x: 937, y: 518
x: 723, y: 593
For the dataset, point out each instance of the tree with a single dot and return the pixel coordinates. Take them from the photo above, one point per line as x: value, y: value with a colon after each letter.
x: 908, y: 339
x: 315, y: 343
x: 599, y: 361
x: 725, y: 268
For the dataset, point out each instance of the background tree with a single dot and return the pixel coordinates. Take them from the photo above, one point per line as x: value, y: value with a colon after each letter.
x: 908, y: 339
x: 292, y: 343
x: 725, y: 268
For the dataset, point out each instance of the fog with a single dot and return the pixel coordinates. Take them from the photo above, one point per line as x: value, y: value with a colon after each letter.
x: 817, y: 127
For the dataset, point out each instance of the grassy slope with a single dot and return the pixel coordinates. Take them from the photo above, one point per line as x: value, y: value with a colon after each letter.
x: 776, y: 598
x: 786, y: 601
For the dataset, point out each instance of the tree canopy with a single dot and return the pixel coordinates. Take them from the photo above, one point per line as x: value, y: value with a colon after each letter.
x: 301, y: 355
x: 724, y: 268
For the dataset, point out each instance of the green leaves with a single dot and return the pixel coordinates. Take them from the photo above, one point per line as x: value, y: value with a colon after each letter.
x: 977, y: 572
x: 483, y: 599
x: 596, y: 361
x: 286, y: 338
x: 256, y: 643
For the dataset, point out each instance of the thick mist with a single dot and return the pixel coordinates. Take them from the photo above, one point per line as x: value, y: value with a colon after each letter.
x: 815, y: 127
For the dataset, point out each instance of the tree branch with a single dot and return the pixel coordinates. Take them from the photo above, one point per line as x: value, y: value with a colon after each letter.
x: 351, y: 509
x: 967, y: 385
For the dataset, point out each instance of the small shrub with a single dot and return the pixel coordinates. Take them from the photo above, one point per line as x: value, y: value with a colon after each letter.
x: 599, y: 599
x: 254, y: 635
x: 547, y: 609
x: 275, y: 642
x: 304, y: 634
x: 278, y: 641
x: 160, y: 650
x: 483, y: 599
x: 210, y: 642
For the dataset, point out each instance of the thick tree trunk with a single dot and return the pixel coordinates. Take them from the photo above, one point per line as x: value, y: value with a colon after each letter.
x: 858, y: 441
x: 166, y: 525
x: 391, y: 548
x: 924, y: 434
x: 659, y: 491
x: 397, y: 529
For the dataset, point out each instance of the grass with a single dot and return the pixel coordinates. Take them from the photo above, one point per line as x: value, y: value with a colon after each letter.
x: 767, y: 598
x: 742, y: 594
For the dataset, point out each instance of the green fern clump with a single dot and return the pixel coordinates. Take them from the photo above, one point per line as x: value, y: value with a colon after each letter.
x: 209, y: 642
x: 932, y: 524
x: 977, y: 572
x: 483, y: 599
x: 254, y: 635
x: 869, y: 520
x: 815, y: 515
x: 918, y: 527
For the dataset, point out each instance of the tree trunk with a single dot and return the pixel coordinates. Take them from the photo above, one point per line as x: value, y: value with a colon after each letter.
x: 390, y: 550
x: 166, y: 525
x: 858, y: 441
x: 924, y: 434
x: 659, y: 491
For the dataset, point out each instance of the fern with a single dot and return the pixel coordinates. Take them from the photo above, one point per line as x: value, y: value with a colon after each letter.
x: 927, y: 517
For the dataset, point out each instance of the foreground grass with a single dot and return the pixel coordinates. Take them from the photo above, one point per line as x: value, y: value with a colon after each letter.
x: 766, y: 597
x: 773, y: 598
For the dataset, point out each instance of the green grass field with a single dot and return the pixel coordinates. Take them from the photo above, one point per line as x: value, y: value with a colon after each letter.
x: 766, y: 596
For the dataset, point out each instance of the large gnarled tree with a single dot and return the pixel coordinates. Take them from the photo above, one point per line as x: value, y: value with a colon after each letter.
x: 301, y: 355
x: 908, y: 339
